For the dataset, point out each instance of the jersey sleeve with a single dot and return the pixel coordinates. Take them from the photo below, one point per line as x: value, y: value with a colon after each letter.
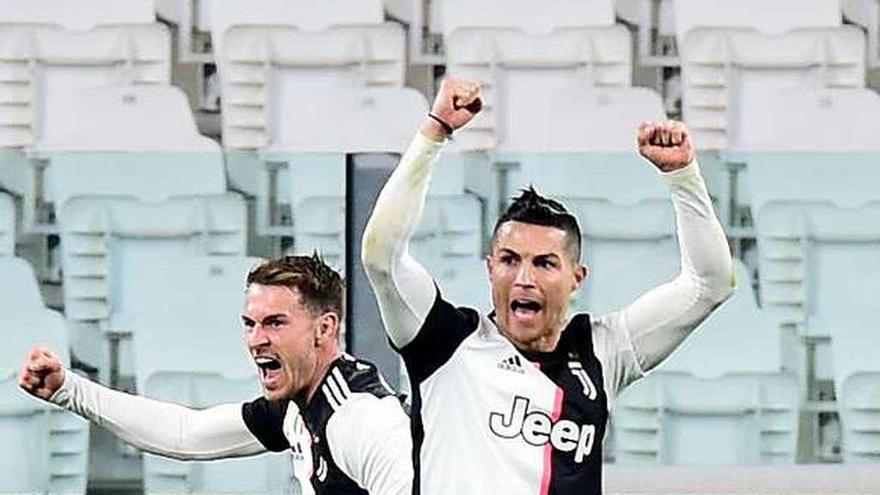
x: 637, y: 338
x: 158, y: 427
x: 404, y: 289
x: 369, y: 439
x: 265, y: 420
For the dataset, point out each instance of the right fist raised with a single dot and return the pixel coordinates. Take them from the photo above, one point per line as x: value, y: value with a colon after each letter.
x: 42, y: 373
x: 456, y: 104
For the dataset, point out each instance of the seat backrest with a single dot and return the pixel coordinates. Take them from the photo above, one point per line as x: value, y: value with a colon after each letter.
x: 304, y: 15
x: 725, y: 70
x: 104, y: 240
x: 582, y: 71
x: 783, y: 121
x: 79, y: 15
x: 302, y: 71
x: 60, y: 62
x: 129, y: 141
x: 195, y: 303
x: 346, y: 120
x: 776, y: 17
x: 522, y: 14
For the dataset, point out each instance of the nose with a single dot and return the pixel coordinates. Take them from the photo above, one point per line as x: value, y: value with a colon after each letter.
x: 524, y: 276
x: 256, y: 336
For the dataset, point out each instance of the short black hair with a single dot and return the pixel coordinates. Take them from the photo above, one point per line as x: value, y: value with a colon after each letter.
x: 531, y: 207
x: 322, y: 288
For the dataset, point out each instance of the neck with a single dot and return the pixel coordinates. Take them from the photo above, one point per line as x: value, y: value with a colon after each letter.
x: 325, y: 360
x: 546, y: 342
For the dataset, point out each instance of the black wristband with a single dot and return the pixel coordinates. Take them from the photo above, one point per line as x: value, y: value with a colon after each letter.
x: 446, y: 127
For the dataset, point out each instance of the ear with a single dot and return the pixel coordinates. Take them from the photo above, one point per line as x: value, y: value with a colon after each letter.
x: 328, y: 328
x: 581, y: 273
x: 489, y: 264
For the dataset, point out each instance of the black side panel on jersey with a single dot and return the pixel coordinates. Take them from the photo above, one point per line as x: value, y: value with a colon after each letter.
x: 575, y: 369
x: 265, y: 420
x: 443, y: 331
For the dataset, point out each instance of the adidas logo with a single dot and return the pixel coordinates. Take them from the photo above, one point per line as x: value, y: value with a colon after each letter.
x: 513, y: 363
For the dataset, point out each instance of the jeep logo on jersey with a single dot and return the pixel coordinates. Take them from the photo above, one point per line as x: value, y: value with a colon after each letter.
x: 537, y: 428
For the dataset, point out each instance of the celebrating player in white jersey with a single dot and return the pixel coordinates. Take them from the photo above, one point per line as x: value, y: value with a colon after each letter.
x: 353, y: 425
x: 517, y: 401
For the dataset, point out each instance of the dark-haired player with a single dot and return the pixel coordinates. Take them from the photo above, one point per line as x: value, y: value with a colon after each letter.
x: 343, y: 412
x: 517, y: 401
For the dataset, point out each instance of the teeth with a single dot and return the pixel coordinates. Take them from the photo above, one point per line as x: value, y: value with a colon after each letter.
x: 263, y: 360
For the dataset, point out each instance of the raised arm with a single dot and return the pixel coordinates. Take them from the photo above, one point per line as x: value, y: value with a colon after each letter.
x: 644, y: 333
x: 404, y: 290
x: 157, y: 427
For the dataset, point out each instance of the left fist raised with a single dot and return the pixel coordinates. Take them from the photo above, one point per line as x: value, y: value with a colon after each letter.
x: 666, y: 144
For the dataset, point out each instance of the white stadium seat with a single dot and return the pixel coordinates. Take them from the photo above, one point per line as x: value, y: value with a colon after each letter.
x: 63, y: 61
x: 723, y: 70
x: 104, y: 239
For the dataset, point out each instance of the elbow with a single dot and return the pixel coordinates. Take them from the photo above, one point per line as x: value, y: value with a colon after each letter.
x: 373, y: 251
x: 719, y: 285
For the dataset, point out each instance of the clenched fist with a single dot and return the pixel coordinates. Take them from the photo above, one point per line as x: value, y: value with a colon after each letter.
x: 666, y: 144
x: 42, y: 373
x: 456, y: 104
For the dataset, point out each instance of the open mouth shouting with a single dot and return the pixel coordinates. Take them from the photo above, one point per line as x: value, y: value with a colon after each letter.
x: 525, y: 310
x: 270, y: 370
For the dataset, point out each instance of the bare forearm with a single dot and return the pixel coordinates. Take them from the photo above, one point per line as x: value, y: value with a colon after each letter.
x: 159, y: 427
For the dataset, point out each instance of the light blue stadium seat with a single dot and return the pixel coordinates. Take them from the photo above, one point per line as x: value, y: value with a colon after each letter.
x: 7, y: 225
x: 104, y: 240
x: 821, y: 275
x: 816, y: 226
x: 194, y: 302
x: 269, y: 473
x: 44, y: 448
x: 720, y: 398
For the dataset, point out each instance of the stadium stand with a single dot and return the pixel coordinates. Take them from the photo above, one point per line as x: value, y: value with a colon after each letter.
x: 511, y: 51
x: 44, y: 449
x: 721, y: 398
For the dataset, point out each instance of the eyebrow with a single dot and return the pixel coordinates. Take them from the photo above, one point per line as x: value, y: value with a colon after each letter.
x: 537, y: 256
x: 246, y: 319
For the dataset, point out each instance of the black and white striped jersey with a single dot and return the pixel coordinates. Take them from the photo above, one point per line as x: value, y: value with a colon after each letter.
x: 522, y: 422
x: 352, y: 438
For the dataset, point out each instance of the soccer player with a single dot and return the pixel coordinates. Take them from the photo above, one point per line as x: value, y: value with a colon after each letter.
x: 517, y: 401
x: 357, y: 430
